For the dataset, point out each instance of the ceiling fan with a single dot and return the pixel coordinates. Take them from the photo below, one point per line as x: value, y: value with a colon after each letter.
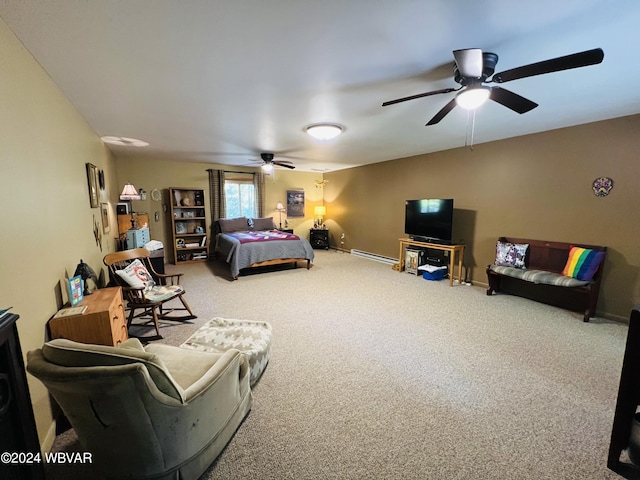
x: 473, y: 67
x: 268, y: 162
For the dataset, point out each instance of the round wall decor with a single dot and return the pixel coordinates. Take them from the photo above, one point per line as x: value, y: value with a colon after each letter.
x: 602, y: 186
x: 156, y: 195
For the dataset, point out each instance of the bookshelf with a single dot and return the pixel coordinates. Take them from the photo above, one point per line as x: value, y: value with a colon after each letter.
x: 189, y: 225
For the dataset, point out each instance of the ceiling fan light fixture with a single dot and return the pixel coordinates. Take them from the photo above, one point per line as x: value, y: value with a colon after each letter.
x: 472, y: 98
x: 324, y: 131
x: 267, y: 168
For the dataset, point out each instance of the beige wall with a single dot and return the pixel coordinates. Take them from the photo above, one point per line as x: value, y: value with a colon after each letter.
x: 164, y: 174
x: 535, y: 186
x: 47, y: 222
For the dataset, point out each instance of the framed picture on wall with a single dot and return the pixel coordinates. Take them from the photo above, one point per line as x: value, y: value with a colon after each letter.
x: 295, y: 203
x: 92, y: 180
x: 104, y: 211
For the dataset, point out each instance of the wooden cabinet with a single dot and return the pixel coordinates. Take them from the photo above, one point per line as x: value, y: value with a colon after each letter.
x: 189, y: 225
x: 102, y: 323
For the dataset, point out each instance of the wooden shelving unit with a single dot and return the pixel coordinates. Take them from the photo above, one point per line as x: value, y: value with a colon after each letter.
x: 189, y: 225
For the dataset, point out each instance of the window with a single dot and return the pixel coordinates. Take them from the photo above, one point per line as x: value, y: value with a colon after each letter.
x: 240, y: 198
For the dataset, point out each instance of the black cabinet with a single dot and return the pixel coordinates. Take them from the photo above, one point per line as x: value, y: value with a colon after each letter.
x: 628, y: 401
x: 319, y: 238
x: 17, y: 424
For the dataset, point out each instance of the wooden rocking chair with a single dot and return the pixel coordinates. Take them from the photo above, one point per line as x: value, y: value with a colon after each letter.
x: 133, y: 271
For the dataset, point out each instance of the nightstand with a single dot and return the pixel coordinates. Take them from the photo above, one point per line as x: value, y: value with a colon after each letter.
x: 286, y: 230
x: 319, y: 238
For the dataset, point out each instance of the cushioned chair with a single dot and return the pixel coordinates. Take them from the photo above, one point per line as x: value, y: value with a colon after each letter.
x: 133, y: 271
x: 158, y: 411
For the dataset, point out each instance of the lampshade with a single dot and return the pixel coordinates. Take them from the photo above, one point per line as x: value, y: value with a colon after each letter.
x: 320, y: 211
x: 129, y: 192
x: 472, y: 98
x: 324, y: 131
x: 279, y: 207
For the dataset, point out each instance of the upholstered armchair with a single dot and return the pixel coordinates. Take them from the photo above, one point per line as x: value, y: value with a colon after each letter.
x: 156, y: 412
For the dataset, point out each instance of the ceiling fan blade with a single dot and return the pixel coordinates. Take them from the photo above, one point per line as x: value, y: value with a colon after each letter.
x: 420, y: 95
x: 512, y: 100
x: 469, y: 62
x: 284, y: 164
x: 575, y: 60
x: 442, y: 113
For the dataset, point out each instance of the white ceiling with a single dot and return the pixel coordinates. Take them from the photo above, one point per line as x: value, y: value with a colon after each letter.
x: 221, y: 81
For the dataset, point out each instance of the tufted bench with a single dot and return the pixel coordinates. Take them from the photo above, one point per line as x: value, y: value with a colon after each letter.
x: 536, y: 272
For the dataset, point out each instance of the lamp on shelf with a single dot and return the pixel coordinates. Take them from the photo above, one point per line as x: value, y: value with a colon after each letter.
x: 86, y: 272
x: 130, y: 193
x: 280, y: 209
x: 320, y: 211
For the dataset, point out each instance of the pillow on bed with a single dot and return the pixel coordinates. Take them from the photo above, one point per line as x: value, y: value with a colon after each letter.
x: 511, y: 254
x: 263, y: 223
x: 228, y: 225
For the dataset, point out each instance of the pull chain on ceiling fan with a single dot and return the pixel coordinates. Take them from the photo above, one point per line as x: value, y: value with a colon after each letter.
x: 473, y: 67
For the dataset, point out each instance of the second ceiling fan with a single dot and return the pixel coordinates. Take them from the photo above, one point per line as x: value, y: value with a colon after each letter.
x: 269, y: 162
x: 473, y: 67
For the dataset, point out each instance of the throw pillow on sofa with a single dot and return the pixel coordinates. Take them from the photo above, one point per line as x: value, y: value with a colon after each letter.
x: 511, y: 254
x: 582, y: 263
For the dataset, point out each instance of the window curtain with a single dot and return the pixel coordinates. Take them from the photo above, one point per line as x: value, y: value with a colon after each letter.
x: 216, y: 194
x: 258, y: 185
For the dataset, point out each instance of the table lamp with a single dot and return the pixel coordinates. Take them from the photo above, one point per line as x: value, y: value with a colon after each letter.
x: 320, y: 211
x: 86, y: 272
x: 129, y: 193
x: 280, y: 209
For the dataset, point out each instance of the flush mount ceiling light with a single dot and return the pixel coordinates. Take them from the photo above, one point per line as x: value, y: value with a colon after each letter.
x: 472, y: 98
x: 324, y: 131
x: 125, y: 141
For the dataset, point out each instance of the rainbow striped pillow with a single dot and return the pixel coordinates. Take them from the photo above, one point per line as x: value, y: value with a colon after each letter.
x: 582, y: 263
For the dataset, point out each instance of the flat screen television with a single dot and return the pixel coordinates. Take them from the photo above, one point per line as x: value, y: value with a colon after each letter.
x: 429, y: 220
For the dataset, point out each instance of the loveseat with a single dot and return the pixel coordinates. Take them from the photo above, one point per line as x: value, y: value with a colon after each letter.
x: 154, y: 412
x: 566, y: 275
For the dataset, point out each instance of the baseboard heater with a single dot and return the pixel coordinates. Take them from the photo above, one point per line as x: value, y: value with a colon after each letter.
x: 374, y: 256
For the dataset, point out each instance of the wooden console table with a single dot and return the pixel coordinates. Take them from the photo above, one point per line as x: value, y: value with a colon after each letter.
x: 452, y: 249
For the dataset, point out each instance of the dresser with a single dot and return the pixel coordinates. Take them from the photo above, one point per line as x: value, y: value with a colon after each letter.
x: 102, y: 323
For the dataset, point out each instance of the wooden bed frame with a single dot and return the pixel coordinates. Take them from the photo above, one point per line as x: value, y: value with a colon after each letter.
x: 277, y: 261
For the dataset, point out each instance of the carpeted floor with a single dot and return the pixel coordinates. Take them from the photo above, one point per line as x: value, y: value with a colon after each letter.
x: 376, y: 374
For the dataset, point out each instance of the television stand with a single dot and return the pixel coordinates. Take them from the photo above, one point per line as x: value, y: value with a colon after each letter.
x: 452, y: 249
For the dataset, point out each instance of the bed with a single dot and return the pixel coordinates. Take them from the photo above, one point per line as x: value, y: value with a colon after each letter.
x: 248, y: 243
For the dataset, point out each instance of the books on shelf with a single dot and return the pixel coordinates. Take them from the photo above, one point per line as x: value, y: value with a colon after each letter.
x: 70, y: 312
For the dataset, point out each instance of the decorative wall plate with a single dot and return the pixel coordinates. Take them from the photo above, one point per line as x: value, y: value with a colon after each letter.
x: 602, y: 186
